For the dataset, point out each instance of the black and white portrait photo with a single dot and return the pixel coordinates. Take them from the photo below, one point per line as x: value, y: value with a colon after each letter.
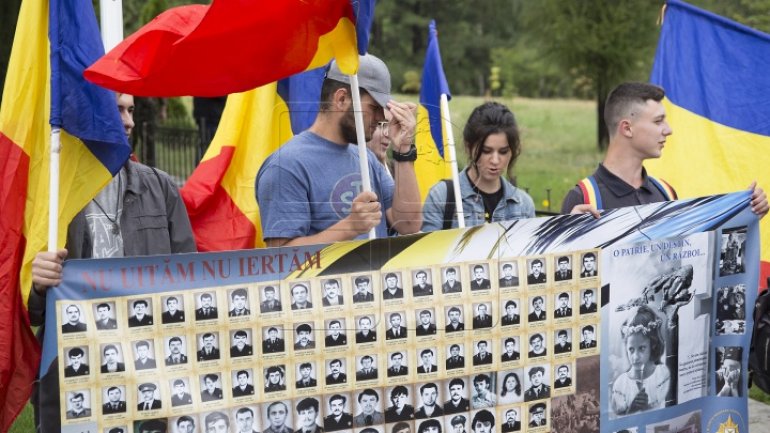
x: 301, y: 296
x: 335, y: 333
x: 206, y: 304
x: 332, y: 293
x: 114, y: 398
x: 243, y: 382
x: 537, y: 345
x: 367, y: 367
x: 450, y: 280
x: 455, y: 320
x: 241, y: 343
x: 270, y: 299
x: 563, y: 339
x: 422, y: 283
x: 480, y: 277
x: 336, y: 371
x: 732, y: 251
x: 537, y: 312
x: 588, y: 301
x: 238, y: 303
x: 112, y: 358
x: 590, y: 266
x: 365, y: 329
x: 211, y: 387
x: 104, y: 312
x: 456, y: 356
x: 510, y: 314
x: 563, y: 271
x: 482, y: 352
x: 306, y: 375
x: 144, y: 355
x: 78, y: 404
x: 362, y: 289
x: 426, y: 322
x: 173, y: 309
x: 397, y: 364
x: 180, y: 392
x: 393, y: 288
x: 176, y: 350
x: 396, y: 326
x: 275, y: 378
x: 509, y: 274
x: 208, y: 346
x: 563, y: 306
x: 72, y: 319
x: 77, y: 361
x: 537, y: 382
x: 728, y: 376
x: 483, y: 315
x: 140, y: 313
x: 731, y: 310
x: 303, y: 336
x: 536, y: 271
x: 427, y: 361
x: 272, y: 339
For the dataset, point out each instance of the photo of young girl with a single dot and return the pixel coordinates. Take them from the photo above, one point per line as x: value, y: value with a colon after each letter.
x: 645, y: 384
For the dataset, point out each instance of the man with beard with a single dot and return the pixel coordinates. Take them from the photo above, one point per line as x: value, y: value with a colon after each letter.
x: 304, y: 188
x: 457, y: 401
x: 338, y: 419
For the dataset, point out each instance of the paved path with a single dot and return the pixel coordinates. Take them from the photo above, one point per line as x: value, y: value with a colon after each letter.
x: 759, y: 417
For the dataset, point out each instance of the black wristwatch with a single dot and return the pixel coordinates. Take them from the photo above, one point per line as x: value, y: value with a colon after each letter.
x: 409, y: 156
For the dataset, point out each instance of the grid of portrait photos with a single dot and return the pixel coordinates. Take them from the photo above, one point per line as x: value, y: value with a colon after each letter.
x: 424, y: 349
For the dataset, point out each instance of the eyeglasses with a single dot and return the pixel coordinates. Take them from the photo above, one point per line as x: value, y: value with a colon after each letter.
x: 384, y: 126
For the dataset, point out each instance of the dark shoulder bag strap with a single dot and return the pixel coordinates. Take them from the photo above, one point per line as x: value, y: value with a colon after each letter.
x: 449, y: 205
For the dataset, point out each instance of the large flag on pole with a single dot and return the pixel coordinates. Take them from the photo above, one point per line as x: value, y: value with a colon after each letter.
x: 432, y: 165
x: 220, y: 196
x: 716, y: 74
x: 38, y: 91
x: 229, y: 46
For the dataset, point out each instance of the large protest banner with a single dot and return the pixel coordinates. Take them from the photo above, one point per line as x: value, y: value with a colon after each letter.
x: 636, y: 322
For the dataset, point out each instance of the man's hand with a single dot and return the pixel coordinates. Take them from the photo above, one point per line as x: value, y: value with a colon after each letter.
x: 402, y: 125
x: 585, y: 208
x: 758, y: 200
x: 46, y: 269
x: 365, y: 213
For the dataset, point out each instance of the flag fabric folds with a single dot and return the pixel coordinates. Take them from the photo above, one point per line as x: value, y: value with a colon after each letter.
x: 44, y: 87
x: 715, y: 74
x: 229, y: 46
x: 432, y: 165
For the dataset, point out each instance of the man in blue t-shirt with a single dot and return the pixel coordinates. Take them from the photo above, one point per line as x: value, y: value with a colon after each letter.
x: 309, y: 190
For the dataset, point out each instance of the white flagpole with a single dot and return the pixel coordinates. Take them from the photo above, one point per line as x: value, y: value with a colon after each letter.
x: 450, y: 139
x: 53, y: 190
x: 111, y: 19
x: 363, y: 157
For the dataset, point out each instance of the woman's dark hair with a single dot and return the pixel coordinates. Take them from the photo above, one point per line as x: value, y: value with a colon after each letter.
x: 487, y: 119
x: 516, y: 389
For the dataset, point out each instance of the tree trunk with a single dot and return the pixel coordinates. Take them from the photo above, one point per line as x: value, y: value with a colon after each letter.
x: 602, y: 134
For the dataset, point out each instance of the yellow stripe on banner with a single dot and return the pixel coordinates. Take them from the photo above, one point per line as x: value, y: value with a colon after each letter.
x: 429, y: 250
x: 340, y: 44
x: 430, y: 166
x: 703, y: 157
x: 329, y: 255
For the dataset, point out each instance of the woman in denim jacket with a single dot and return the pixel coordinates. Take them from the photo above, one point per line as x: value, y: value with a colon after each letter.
x: 492, y: 143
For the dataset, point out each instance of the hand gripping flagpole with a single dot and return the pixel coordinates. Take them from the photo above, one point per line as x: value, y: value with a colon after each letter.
x: 450, y: 141
x: 363, y: 157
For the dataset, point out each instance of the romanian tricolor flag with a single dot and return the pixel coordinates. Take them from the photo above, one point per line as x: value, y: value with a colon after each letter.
x: 716, y: 74
x: 43, y: 88
x: 220, y: 195
x: 432, y: 164
x: 229, y: 46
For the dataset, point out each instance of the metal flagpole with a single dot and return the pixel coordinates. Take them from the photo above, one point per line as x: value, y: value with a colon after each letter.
x: 363, y: 157
x: 450, y: 139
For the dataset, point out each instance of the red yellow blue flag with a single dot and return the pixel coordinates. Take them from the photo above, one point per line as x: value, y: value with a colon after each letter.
x: 715, y: 74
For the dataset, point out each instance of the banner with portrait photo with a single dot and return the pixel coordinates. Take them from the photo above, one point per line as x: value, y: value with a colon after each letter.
x: 635, y: 321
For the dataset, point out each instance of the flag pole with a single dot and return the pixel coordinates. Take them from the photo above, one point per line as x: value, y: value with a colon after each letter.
x: 363, y: 157
x: 53, y: 188
x: 111, y: 22
x: 450, y: 141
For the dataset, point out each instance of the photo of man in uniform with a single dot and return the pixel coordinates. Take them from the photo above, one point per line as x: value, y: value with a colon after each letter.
x: 300, y: 296
x: 451, y: 283
x: 367, y: 371
x: 147, y: 397
x: 458, y: 424
x: 115, y: 402
x: 273, y: 344
x: 77, y: 407
x: 243, y: 386
x: 244, y: 420
x: 563, y: 308
x: 480, y: 280
x: 422, y: 287
x: 536, y: 272
x: 457, y: 402
x: 455, y: 359
x: 209, y: 350
x: 392, y: 290
x: 77, y: 366
x: 563, y: 269
x: 588, y: 341
x: 144, y: 360
x: 72, y: 312
x: 537, y: 415
x: 338, y: 419
x: 335, y: 337
x: 336, y: 374
x: 365, y: 332
x: 207, y: 310
x: 111, y: 360
x: 332, y: 293
x: 142, y: 315
x: 455, y: 323
x: 511, y: 315
x: 537, y: 389
x: 175, y: 356
x: 563, y: 380
x: 275, y: 379
x: 589, y: 265
x: 363, y: 290
x: 510, y: 353
x: 400, y: 409
x: 509, y: 278
x: 306, y: 379
x: 537, y: 312
x: 426, y: 325
x: 104, y: 318
x: 173, y: 313
x: 241, y: 346
x: 396, y: 368
x: 180, y: 396
x: 270, y: 304
x: 368, y: 401
x: 482, y: 356
x: 239, y: 300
